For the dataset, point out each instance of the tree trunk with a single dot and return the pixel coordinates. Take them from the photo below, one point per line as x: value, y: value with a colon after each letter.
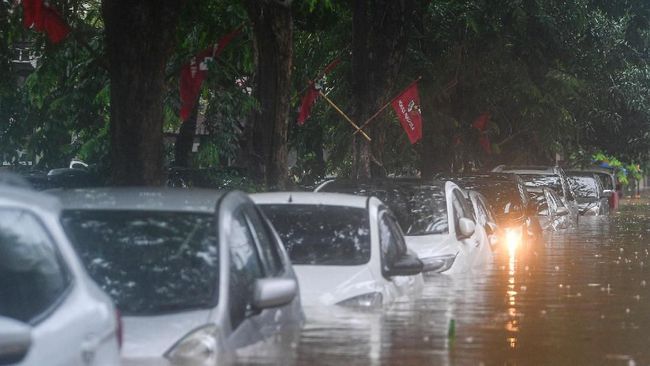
x: 273, y: 41
x: 185, y: 140
x: 378, y: 47
x: 139, y: 37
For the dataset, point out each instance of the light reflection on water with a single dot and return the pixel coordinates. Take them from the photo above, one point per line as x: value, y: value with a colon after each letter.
x: 581, y: 299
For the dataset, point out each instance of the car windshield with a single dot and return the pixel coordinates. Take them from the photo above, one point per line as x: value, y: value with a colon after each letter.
x: 419, y: 209
x: 584, y: 187
x: 427, y: 211
x: 322, y: 234
x: 542, y: 180
x: 148, y: 261
x: 503, y: 197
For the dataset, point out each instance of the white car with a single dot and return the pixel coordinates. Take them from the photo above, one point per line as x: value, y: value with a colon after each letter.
x: 443, y: 232
x: 51, y: 312
x: 346, y: 249
x: 199, y: 275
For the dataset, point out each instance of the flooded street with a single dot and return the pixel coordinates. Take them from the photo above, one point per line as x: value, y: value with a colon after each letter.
x: 582, y: 299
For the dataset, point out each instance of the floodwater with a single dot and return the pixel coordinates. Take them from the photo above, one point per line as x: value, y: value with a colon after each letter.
x: 582, y: 299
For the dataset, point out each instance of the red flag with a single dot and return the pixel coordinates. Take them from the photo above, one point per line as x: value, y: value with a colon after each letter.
x: 309, y: 99
x: 407, y: 108
x: 44, y: 19
x: 54, y: 26
x: 480, y: 123
x: 194, y: 72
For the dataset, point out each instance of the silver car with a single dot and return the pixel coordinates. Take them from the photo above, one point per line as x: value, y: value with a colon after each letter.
x: 51, y: 312
x: 197, y: 274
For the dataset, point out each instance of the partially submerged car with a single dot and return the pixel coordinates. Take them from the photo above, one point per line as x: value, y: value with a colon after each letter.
x: 551, y: 211
x: 509, y: 199
x: 484, y: 216
x: 552, y: 177
x: 197, y: 274
x: 54, y: 314
x: 593, y: 199
x: 347, y: 250
x: 439, y: 223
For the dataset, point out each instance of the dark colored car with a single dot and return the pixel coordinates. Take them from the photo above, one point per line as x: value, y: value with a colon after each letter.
x: 509, y: 198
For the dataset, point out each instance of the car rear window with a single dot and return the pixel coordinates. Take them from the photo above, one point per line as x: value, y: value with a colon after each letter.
x: 149, y: 261
x: 322, y: 234
x: 540, y: 180
x: 584, y: 187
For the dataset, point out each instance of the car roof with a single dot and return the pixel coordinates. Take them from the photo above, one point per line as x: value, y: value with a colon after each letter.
x: 385, y: 182
x: 547, y: 168
x: 580, y: 173
x: 25, y: 197
x: 140, y: 198
x: 311, y: 198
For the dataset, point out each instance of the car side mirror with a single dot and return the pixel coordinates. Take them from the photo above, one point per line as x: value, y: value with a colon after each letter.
x: 274, y: 292
x: 15, y: 341
x: 562, y: 211
x: 607, y: 192
x: 466, y: 227
x: 407, y: 265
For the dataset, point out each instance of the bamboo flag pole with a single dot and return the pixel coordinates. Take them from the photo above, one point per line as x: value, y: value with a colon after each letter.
x: 344, y: 115
x: 383, y: 108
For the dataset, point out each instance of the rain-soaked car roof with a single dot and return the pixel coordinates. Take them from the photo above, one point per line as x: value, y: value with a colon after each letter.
x: 140, y: 198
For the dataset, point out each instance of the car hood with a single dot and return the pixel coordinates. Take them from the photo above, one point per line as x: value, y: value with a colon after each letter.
x: 328, y: 285
x: 152, y: 336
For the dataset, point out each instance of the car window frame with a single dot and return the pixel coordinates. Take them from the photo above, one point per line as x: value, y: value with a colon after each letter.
x: 248, y: 313
x: 64, y: 268
x: 402, y: 249
x: 269, y: 271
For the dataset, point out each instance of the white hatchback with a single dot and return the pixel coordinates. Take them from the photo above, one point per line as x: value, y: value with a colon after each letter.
x: 346, y: 250
x: 51, y: 312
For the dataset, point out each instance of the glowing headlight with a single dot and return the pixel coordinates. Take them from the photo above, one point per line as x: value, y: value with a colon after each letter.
x: 513, y: 238
x: 197, y: 348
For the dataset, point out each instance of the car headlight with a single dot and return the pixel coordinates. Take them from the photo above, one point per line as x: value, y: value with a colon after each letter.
x: 197, y: 348
x: 513, y: 237
x: 439, y: 263
x: 369, y: 300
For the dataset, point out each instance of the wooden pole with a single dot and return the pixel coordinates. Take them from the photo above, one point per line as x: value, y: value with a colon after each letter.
x: 345, y: 116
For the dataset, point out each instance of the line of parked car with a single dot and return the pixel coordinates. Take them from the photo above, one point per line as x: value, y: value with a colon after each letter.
x: 147, y: 276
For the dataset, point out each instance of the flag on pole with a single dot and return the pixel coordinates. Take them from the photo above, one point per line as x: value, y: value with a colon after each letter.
x: 481, y: 123
x: 196, y: 70
x: 311, y: 95
x: 407, y: 108
x: 44, y: 19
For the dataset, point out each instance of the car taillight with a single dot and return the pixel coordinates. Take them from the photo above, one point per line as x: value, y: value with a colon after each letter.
x: 119, y: 328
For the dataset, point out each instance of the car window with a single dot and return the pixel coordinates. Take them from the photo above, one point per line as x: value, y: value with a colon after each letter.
x: 245, y: 269
x: 322, y: 234
x: 149, y: 262
x: 32, y: 277
x: 461, y: 208
x: 267, y: 245
x: 391, y: 240
x: 584, y: 187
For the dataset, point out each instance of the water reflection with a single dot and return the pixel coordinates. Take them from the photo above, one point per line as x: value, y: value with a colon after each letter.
x: 581, y: 299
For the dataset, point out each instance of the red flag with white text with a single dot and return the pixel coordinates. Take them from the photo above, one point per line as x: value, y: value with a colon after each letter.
x: 194, y: 73
x: 313, y: 91
x: 407, y: 108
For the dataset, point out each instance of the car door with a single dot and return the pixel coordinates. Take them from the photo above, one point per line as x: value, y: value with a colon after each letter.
x: 36, y: 287
x: 245, y: 267
x: 393, y: 247
x: 273, y: 321
x: 470, y: 246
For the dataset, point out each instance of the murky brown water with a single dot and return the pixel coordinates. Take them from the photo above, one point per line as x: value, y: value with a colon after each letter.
x: 583, y: 299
